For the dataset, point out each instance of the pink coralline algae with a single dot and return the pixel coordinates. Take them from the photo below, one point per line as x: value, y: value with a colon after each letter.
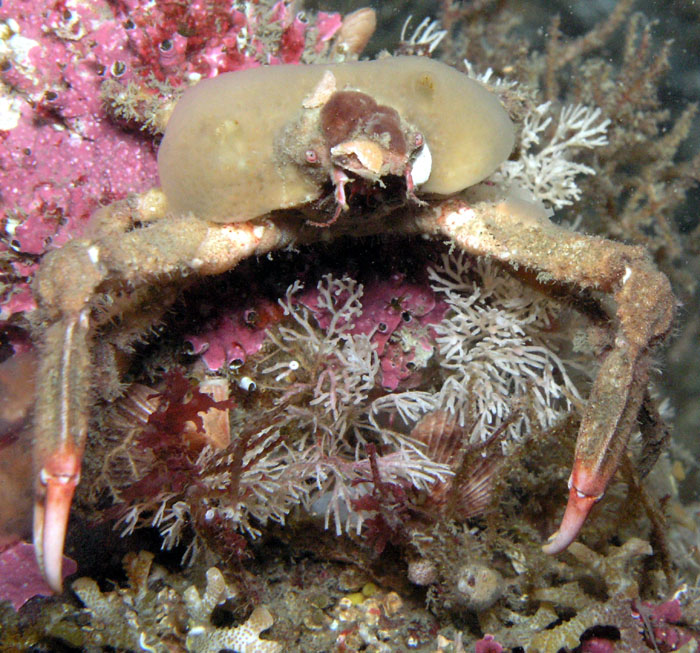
x: 387, y: 306
x: 488, y: 644
x: 662, y: 624
x: 20, y: 578
x: 204, y: 38
x: 598, y: 645
x: 62, y: 154
x: 233, y: 337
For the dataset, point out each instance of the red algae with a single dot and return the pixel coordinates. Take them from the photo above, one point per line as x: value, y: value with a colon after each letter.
x: 62, y: 154
x: 20, y: 578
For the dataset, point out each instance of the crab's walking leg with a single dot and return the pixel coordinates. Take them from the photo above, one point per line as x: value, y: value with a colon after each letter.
x: 59, y: 463
x: 65, y: 286
x: 520, y: 236
x: 60, y: 422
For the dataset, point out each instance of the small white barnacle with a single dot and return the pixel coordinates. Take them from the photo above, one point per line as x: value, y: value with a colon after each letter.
x: 11, y: 224
x: 422, y: 165
x: 145, y: 645
x: 247, y: 384
x: 84, y: 319
x: 94, y: 254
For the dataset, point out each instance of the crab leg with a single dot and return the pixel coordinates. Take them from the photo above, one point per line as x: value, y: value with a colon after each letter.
x: 608, y: 418
x: 519, y: 235
x: 60, y: 425
x: 65, y: 287
x: 60, y: 439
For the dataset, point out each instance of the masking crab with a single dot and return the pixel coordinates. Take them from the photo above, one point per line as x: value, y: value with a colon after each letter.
x: 263, y: 159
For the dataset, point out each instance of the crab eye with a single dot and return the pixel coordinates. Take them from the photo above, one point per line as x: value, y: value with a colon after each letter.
x: 418, y: 140
x: 311, y: 156
x: 166, y: 45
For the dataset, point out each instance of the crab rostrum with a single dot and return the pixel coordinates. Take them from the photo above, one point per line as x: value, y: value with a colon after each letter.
x: 255, y: 161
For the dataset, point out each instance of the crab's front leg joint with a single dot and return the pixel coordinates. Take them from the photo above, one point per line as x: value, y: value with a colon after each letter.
x: 67, y: 278
x: 224, y: 246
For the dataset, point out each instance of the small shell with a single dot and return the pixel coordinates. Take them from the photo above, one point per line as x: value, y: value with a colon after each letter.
x: 217, y: 431
x: 355, y: 32
x: 422, y: 166
x: 475, y: 465
x: 474, y: 496
x: 136, y: 406
x: 442, y: 436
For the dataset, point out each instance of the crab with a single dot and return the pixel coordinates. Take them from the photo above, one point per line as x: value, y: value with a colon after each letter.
x: 260, y: 160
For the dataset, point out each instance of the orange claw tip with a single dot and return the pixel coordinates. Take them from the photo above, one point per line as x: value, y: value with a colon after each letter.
x: 577, y: 509
x: 51, y: 511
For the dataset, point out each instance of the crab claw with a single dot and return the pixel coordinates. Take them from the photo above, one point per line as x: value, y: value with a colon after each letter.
x: 585, y: 490
x: 56, y: 484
